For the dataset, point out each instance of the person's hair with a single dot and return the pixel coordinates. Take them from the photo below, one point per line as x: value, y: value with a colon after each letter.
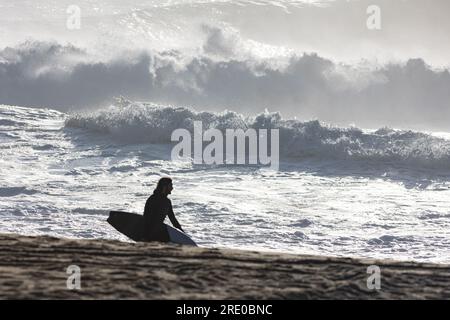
x: 163, y: 182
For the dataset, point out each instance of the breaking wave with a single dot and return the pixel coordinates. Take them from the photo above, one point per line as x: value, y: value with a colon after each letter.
x: 225, y: 72
x: 134, y: 122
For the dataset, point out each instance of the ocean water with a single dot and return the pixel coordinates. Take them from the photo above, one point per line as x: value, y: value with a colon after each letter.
x: 339, y: 191
x: 86, y: 117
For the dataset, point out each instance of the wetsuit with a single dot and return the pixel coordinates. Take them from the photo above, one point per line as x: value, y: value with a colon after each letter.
x: 157, y: 208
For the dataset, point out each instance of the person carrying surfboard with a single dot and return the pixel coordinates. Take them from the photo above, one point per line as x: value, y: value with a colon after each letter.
x: 157, y: 208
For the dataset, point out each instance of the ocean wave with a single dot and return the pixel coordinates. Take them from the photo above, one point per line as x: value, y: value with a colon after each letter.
x: 133, y: 122
x: 226, y: 72
x: 390, y: 240
x: 16, y: 191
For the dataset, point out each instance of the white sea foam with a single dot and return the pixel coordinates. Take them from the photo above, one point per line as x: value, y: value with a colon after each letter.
x: 323, y: 201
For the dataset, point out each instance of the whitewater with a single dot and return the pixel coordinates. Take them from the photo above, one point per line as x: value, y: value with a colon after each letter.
x: 338, y: 191
x: 86, y: 118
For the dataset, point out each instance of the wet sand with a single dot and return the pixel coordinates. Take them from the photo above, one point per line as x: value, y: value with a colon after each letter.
x: 36, y: 268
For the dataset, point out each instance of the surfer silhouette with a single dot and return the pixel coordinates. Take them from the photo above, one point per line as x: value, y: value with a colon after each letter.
x: 157, y: 208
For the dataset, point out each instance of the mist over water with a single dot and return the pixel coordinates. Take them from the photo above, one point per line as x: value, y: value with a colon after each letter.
x: 204, y: 55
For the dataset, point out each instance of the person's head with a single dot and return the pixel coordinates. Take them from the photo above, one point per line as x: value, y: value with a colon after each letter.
x: 164, y: 187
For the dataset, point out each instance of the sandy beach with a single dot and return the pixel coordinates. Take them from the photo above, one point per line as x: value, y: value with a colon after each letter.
x: 36, y: 268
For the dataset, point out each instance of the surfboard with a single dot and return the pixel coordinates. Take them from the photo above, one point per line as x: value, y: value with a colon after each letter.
x: 132, y: 225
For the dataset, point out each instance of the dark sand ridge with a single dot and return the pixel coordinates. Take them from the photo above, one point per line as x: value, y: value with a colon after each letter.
x: 35, y: 268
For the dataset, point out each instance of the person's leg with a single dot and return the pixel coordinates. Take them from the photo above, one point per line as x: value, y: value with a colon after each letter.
x: 165, y: 235
x: 159, y: 234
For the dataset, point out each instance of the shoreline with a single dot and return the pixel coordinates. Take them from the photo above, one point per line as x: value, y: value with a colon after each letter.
x: 37, y: 268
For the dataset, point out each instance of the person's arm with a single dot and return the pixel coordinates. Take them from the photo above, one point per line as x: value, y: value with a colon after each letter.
x: 172, y: 218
